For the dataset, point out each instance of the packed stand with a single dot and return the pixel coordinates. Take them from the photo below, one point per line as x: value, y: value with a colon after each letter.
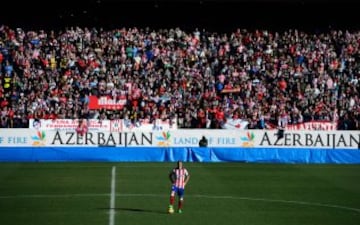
x: 198, y: 77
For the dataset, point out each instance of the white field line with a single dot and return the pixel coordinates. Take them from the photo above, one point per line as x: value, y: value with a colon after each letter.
x: 281, y: 201
x: 189, y: 196
x: 112, y: 197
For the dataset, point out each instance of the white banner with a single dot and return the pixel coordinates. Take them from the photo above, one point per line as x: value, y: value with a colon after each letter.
x: 104, y: 125
x: 146, y: 125
x: 235, y: 124
x: 182, y: 138
x: 264, y: 139
x: 68, y: 124
x: 22, y: 137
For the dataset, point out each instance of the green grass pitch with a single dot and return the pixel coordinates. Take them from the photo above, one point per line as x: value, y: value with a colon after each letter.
x: 218, y: 193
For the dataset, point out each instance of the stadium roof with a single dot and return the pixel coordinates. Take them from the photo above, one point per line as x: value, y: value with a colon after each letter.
x: 227, y: 14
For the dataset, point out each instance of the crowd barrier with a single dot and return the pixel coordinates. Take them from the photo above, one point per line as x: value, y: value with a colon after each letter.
x: 31, y: 145
x: 193, y: 154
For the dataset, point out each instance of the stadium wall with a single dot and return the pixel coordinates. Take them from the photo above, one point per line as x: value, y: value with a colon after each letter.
x: 193, y: 154
x: 31, y: 145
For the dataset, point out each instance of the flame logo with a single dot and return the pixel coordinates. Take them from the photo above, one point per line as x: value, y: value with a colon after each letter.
x: 248, y: 140
x: 39, y: 139
x: 164, y: 139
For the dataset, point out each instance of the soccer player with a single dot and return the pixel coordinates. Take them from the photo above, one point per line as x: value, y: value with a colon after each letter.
x: 179, y: 177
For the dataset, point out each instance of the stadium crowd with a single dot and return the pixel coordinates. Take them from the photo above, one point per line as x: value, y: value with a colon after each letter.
x: 201, y: 78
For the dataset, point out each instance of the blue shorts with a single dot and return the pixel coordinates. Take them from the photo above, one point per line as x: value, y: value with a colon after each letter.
x: 178, y: 191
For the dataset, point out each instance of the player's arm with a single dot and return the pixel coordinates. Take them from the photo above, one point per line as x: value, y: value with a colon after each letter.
x: 172, y: 177
x: 187, y: 178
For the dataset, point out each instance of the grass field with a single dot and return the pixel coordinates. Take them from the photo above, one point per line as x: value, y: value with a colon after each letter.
x: 218, y: 193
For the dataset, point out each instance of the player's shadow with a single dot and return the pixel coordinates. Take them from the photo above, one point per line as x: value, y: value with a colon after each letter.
x: 141, y: 210
x: 137, y: 210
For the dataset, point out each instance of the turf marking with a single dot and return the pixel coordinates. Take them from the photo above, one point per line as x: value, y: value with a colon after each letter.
x: 251, y: 199
x: 281, y: 201
x: 112, y: 209
x: 112, y: 197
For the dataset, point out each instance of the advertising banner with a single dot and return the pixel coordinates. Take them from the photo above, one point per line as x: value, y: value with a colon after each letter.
x: 264, y: 139
x: 68, y: 124
x: 313, y: 125
x: 22, y: 137
x: 106, y: 102
x: 146, y: 125
x: 104, y: 125
x: 183, y: 138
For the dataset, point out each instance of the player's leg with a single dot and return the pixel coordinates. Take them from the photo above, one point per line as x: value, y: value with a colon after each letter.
x: 172, y: 199
x: 181, y: 199
x: 172, y: 195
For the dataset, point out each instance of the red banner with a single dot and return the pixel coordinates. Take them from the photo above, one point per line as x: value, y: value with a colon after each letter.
x: 106, y: 102
x: 230, y: 90
x: 313, y: 125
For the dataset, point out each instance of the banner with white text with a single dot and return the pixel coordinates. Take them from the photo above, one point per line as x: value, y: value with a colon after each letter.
x: 121, y: 125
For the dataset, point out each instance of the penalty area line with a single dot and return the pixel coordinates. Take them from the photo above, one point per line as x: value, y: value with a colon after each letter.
x: 112, y: 197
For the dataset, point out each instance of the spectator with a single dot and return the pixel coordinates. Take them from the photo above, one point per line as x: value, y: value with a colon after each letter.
x: 200, y: 78
x: 203, y: 142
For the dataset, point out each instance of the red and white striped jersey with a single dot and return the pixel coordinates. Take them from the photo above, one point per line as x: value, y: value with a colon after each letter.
x: 181, y: 175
